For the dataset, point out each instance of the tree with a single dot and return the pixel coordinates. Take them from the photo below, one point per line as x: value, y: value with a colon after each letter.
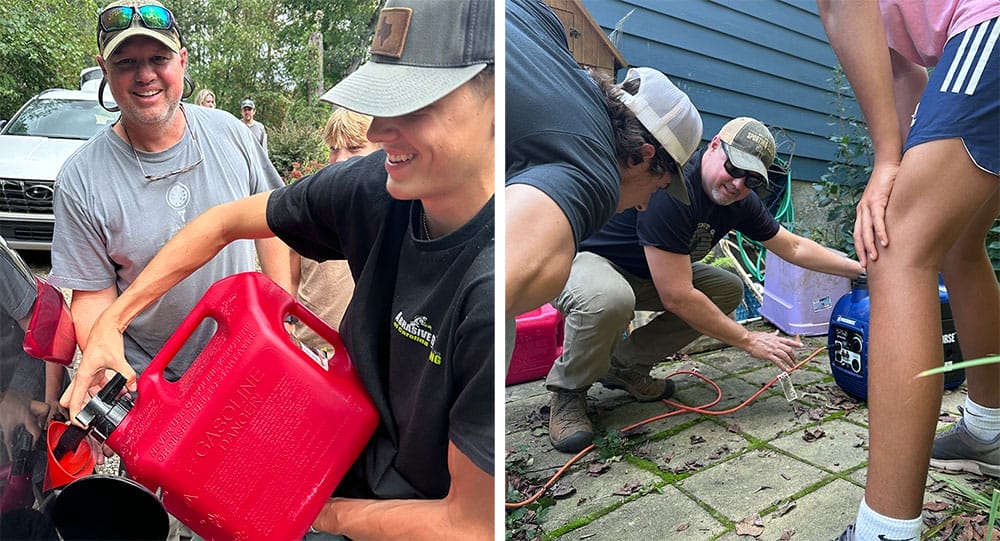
x: 43, y: 45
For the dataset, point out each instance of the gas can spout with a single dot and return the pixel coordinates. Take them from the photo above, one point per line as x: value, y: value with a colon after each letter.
x: 102, y: 415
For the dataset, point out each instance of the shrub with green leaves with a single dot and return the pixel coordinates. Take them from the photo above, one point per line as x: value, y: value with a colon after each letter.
x: 292, y: 143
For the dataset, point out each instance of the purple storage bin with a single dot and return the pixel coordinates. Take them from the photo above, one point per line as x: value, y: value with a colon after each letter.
x: 797, y: 300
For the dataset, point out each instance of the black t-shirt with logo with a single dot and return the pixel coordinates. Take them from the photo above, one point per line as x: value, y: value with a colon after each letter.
x: 419, y: 327
x: 671, y: 226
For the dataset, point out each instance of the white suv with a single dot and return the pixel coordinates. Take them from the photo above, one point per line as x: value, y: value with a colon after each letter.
x: 34, y: 143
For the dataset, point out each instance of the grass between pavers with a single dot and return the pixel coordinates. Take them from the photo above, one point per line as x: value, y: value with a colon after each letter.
x: 813, y: 395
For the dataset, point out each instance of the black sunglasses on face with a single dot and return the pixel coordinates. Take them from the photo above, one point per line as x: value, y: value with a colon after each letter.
x: 751, y: 179
x: 120, y: 18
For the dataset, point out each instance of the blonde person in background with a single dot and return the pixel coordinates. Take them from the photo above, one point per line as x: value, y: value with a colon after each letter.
x: 326, y: 288
x: 205, y: 98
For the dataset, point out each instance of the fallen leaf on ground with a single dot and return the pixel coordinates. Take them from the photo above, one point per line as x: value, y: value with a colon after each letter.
x: 786, y: 535
x: 935, y: 506
x: 784, y: 509
x: 752, y: 525
x: 597, y: 468
x: 560, y: 490
x: 628, y: 489
x: 719, y: 453
x: 813, y: 435
x: 683, y: 527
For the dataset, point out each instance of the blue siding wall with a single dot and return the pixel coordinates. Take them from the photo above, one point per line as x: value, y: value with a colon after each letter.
x: 768, y: 59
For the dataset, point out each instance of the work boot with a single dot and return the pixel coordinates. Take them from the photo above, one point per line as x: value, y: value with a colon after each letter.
x: 569, y: 427
x: 639, y: 384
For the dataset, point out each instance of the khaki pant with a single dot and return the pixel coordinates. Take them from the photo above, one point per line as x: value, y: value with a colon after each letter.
x: 599, y: 301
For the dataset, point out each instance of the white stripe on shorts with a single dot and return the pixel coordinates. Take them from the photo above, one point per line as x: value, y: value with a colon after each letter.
x: 983, y: 58
x: 966, y: 56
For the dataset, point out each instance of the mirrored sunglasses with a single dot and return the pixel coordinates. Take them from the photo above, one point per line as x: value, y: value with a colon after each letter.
x: 120, y: 17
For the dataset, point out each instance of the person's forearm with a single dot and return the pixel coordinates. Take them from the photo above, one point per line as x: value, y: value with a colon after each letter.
x: 410, y: 520
x: 276, y: 262
x: 698, y: 311
x: 85, y: 307
x: 193, y: 246
x: 857, y: 35
x: 813, y: 256
x: 53, y: 381
x: 295, y: 267
x: 908, y: 83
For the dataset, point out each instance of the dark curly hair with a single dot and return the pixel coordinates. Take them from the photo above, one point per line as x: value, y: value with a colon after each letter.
x: 629, y: 133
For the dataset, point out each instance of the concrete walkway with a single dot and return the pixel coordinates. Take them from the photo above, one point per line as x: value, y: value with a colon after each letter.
x: 774, y: 470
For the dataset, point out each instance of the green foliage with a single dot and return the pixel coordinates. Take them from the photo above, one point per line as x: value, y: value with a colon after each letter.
x: 521, y: 524
x: 722, y: 262
x: 43, y: 45
x: 291, y: 143
x: 238, y: 48
x: 844, y: 182
x: 611, y: 446
x: 988, y: 504
x: 263, y: 49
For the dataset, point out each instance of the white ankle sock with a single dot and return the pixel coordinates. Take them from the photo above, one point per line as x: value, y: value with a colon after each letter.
x: 983, y: 423
x: 872, y: 526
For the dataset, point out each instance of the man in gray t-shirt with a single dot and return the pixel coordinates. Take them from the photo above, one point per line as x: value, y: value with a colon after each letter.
x: 247, y: 111
x: 122, y: 195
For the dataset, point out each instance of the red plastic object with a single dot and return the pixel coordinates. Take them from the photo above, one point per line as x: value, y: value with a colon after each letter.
x: 251, y: 441
x: 539, y: 342
x: 72, y: 466
x: 50, y: 335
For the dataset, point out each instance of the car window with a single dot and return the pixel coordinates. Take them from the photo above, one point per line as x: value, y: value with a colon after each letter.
x: 64, y: 119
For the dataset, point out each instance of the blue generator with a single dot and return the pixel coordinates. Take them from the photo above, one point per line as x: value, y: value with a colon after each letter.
x: 847, y: 340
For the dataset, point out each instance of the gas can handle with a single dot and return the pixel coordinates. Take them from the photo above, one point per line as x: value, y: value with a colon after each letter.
x: 340, y: 361
x: 180, y: 336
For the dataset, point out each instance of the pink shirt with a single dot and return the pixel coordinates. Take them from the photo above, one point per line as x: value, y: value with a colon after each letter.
x: 918, y: 29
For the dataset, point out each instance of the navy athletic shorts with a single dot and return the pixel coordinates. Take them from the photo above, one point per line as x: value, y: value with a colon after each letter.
x: 962, y: 98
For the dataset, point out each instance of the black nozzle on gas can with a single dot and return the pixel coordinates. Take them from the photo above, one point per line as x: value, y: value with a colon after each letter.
x: 102, y: 415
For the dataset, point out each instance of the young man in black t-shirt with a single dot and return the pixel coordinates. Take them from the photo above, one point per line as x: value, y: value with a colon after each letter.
x: 415, y: 223
x: 577, y: 151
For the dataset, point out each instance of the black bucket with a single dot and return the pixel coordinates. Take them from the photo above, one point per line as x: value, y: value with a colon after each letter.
x: 110, y: 508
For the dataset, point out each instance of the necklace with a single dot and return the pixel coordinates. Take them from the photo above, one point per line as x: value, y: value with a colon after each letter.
x: 423, y: 222
x: 182, y: 170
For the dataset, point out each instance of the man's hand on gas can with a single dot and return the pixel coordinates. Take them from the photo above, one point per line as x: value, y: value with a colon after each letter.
x: 104, y: 354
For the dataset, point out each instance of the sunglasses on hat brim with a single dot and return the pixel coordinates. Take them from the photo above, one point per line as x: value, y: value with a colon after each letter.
x: 119, y: 18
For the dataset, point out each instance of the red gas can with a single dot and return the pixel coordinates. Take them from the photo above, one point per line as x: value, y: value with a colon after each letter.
x: 538, y: 344
x: 250, y: 442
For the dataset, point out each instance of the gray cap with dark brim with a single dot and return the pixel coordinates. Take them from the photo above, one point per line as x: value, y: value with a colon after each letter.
x: 422, y: 51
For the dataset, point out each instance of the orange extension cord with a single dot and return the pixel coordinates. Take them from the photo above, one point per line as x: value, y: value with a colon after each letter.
x: 681, y: 408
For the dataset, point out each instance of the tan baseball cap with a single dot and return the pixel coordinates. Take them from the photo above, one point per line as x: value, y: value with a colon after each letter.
x: 749, y: 144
